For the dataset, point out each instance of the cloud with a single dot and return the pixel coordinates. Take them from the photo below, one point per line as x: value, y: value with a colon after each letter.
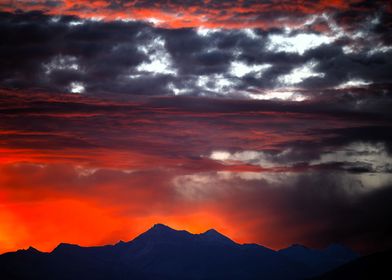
x: 371, y: 157
x: 282, y: 128
x: 315, y: 208
x: 209, y: 14
x: 297, y: 43
x: 264, y: 159
x: 356, y: 157
x: 69, y: 54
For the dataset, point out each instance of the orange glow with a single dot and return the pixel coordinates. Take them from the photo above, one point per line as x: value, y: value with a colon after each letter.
x: 207, y: 14
x: 95, y: 181
x: 44, y: 224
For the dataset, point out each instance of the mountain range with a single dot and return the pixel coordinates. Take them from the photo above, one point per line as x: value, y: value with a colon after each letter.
x: 164, y: 253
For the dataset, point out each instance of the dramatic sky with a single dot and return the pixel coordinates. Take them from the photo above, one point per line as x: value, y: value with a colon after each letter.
x: 270, y: 121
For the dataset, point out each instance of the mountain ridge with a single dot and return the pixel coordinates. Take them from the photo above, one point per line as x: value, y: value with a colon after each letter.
x: 163, y: 253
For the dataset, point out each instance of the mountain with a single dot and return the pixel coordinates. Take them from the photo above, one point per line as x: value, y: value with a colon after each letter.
x: 320, y: 260
x: 167, y: 254
x: 374, y: 266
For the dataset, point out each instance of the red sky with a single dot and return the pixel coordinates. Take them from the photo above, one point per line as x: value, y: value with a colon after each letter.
x: 273, y: 127
x: 208, y: 13
x: 109, y: 174
x: 91, y: 180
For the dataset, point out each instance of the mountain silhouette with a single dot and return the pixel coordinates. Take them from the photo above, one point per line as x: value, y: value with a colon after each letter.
x: 164, y: 253
x: 374, y: 266
x: 320, y: 260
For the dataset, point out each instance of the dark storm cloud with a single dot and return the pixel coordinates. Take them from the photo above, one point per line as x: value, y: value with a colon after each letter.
x: 340, y: 67
x: 68, y: 54
x: 353, y: 215
x: 369, y: 134
x: 316, y: 208
x: 35, y: 40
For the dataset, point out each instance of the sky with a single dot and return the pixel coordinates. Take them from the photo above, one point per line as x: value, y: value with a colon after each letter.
x: 269, y: 121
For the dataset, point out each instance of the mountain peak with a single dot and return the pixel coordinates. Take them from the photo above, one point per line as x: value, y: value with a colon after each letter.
x: 161, y: 227
x: 32, y: 249
x: 166, y: 252
x: 160, y: 233
x: 211, y: 231
x: 62, y: 247
x: 214, y: 235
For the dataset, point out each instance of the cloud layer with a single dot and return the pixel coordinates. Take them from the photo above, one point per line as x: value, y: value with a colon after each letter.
x: 262, y: 166
x: 68, y: 54
x: 268, y: 121
x: 209, y: 14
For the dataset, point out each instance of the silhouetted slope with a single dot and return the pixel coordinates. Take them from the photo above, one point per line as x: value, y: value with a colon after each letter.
x: 23, y: 264
x: 164, y: 253
x: 320, y: 260
x: 375, y: 266
x: 160, y: 253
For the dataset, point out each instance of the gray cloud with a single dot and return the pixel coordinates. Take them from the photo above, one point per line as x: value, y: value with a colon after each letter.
x: 315, y: 208
x: 67, y: 54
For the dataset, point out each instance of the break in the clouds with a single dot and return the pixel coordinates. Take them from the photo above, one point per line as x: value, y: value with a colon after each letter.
x: 268, y: 121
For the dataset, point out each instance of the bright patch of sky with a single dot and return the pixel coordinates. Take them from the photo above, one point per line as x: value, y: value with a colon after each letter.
x: 298, y: 43
x: 61, y: 62
x: 276, y: 94
x: 154, y: 21
x: 176, y: 90
x: 298, y: 75
x: 379, y: 49
x: 250, y: 33
x: 160, y: 61
x: 205, y: 32
x: 258, y: 158
x: 240, y: 69
x: 75, y: 22
x: 216, y: 83
x: 76, y: 87
x: 353, y: 84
